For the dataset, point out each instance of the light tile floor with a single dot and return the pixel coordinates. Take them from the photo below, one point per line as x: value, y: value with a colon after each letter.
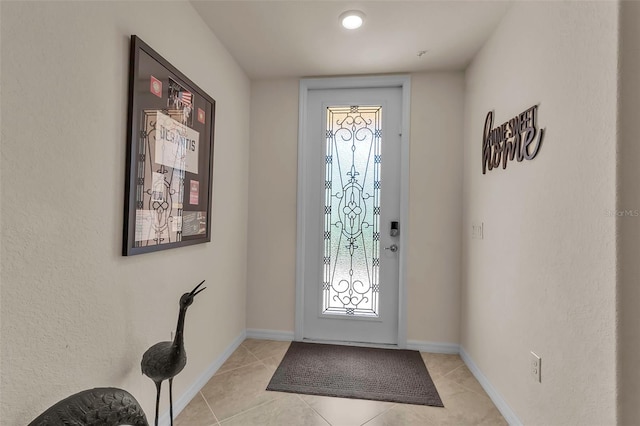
x: 236, y: 395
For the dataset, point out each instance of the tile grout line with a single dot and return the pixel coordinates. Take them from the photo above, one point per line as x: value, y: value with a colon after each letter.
x: 252, y: 354
x: 237, y: 368
x: 331, y: 424
x: 250, y: 351
x: 250, y: 409
x: 426, y: 364
x: 210, y: 409
x: 313, y: 409
x: 463, y: 386
x: 262, y: 361
x: 378, y: 415
x: 457, y: 368
x: 272, y: 341
x: 258, y: 361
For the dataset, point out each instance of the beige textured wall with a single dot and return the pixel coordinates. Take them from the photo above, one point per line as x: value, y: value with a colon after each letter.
x: 1, y: 244
x: 544, y: 277
x: 75, y: 313
x: 435, y: 201
x: 435, y: 207
x: 629, y: 208
x: 271, y: 273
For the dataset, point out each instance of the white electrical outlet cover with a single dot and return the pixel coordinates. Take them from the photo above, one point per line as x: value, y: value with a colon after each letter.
x: 536, y: 367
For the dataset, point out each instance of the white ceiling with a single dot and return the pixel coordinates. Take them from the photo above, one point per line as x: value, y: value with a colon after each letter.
x: 303, y: 38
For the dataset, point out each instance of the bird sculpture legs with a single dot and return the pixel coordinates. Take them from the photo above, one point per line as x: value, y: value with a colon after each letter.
x: 171, y: 399
x: 158, y: 385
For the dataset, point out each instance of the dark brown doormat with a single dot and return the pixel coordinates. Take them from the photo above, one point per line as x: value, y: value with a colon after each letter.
x: 353, y: 372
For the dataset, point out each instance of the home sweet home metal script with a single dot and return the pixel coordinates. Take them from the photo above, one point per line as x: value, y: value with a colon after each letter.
x: 515, y: 138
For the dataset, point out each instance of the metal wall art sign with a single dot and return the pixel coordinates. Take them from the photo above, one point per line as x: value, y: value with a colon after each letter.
x: 513, y: 139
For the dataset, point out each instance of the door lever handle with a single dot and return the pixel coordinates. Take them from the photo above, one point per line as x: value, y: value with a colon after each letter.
x: 392, y: 247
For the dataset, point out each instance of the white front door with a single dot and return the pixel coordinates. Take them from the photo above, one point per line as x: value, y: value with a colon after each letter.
x: 352, y: 217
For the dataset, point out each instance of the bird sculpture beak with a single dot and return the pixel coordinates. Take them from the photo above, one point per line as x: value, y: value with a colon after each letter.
x: 196, y: 291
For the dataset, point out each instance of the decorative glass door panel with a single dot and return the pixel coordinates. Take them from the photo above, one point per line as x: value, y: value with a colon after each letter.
x: 348, y: 199
x: 351, y: 258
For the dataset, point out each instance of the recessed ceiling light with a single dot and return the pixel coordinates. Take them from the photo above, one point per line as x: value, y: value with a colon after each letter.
x: 352, y: 19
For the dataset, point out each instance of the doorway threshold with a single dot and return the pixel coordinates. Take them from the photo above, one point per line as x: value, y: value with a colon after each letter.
x: 361, y: 344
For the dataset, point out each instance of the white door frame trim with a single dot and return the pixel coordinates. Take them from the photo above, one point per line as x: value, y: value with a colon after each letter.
x: 306, y: 84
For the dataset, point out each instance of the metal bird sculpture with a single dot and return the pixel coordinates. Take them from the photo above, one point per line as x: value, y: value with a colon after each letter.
x: 164, y: 360
x: 94, y: 407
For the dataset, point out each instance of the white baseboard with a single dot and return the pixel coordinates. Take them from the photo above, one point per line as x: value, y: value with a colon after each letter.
x: 202, y: 380
x: 497, y: 399
x: 255, y: 333
x: 433, y: 347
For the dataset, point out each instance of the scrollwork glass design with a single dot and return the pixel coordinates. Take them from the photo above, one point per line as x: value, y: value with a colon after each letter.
x: 352, y: 211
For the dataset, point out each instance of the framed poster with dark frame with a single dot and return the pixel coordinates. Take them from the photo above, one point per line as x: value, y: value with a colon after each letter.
x: 169, y: 156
